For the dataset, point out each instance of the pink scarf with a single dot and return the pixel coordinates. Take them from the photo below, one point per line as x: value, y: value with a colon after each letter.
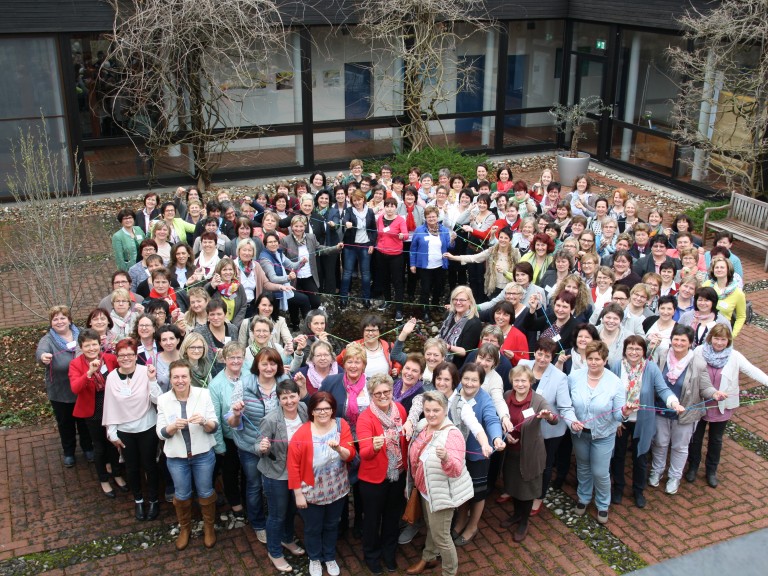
x: 676, y: 367
x: 353, y: 391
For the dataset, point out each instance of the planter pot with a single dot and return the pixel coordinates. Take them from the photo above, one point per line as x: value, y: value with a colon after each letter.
x: 568, y: 168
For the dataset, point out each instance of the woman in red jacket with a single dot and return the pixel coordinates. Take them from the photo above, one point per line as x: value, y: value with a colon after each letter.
x: 393, y: 231
x: 87, y: 378
x: 317, y: 474
x: 383, y: 459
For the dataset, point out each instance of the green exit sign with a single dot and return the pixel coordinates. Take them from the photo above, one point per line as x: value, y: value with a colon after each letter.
x: 600, y: 44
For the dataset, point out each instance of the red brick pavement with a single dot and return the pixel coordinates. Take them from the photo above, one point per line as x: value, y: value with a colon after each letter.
x: 44, y: 506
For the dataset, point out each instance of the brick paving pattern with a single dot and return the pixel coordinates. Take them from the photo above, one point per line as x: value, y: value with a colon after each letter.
x: 44, y: 506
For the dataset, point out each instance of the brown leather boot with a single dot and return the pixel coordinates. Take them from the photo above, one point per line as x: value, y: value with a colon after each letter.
x: 208, y: 508
x: 421, y: 566
x: 184, y: 516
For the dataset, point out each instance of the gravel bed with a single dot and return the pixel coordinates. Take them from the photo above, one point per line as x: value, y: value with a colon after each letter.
x: 746, y: 439
x: 613, y: 551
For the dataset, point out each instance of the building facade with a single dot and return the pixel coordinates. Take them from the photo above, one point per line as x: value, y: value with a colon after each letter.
x: 323, y: 101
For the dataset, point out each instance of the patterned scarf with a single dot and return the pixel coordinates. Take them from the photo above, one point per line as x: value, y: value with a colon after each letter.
x: 450, y: 331
x: 392, y: 425
x: 634, y: 380
x: 246, y: 269
x: 716, y: 359
x: 228, y: 290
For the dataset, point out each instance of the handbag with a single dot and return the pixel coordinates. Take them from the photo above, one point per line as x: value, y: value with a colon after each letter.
x: 413, y: 511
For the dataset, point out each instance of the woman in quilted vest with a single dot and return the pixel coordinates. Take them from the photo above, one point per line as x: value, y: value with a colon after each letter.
x: 437, y: 468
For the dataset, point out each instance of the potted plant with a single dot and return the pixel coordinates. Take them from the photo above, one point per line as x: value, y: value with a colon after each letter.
x: 573, y: 118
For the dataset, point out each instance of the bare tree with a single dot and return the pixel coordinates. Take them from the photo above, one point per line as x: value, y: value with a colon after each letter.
x: 45, y: 250
x: 425, y: 36
x: 722, y: 109
x: 182, y: 69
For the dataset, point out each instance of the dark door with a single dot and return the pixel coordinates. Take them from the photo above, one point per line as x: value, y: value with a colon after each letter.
x: 470, y: 99
x: 358, y: 96
x: 516, y: 67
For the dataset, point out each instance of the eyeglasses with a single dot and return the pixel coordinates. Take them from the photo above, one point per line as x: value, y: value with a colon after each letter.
x: 121, y: 302
x: 125, y: 356
x: 384, y: 394
x: 321, y: 410
x: 235, y: 359
x: 196, y: 348
x: 461, y: 300
x: 371, y: 330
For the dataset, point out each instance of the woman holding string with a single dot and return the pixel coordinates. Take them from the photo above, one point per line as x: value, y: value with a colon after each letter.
x: 599, y: 403
x: 194, y: 350
x: 217, y: 332
x: 87, y: 378
x: 277, y: 430
x: 252, y: 399
x: 382, y: 473
x: 723, y: 365
x: 643, y: 383
x: 186, y: 421
x: 526, y: 456
x: 317, y: 474
x: 461, y: 328
x: 221, y: 389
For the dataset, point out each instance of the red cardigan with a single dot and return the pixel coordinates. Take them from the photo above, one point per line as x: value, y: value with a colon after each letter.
x: 517, y: 342
x: 301, y: 452
x: 85, y: 387
x: 373, y: 465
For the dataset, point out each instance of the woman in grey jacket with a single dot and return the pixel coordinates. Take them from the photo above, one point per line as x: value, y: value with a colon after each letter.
x: 277, y: 429
x: 686, y: 375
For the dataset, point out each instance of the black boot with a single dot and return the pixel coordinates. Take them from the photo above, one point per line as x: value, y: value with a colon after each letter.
x: 517, y: 515
x: 690, y: 475
x: 153, y: 511
x: 138, y: 508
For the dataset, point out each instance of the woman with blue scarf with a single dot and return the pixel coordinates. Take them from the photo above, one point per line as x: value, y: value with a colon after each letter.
x: 55, y: 351
x: 723, y: 365
x: 280, y: 270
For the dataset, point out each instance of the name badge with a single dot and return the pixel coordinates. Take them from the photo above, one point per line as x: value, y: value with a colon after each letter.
x: 556, y: 338
x: 386, y: 229
x: 724, y: 305
x: 125, y: 391
x: 71, y: 345
x: 140, y: 349
x: 529, y: 413
x: 227, y: 339
x: 103, y: 369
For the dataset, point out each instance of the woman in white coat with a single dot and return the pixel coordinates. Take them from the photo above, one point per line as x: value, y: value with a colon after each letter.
x: 724, y: 365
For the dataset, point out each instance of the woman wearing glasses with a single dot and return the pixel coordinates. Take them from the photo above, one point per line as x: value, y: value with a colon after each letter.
x: 317, y: 474
x: 461, y: 329
x: 129, y: 393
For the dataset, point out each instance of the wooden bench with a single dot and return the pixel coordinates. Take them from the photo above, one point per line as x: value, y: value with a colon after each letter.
x: 747, y: 220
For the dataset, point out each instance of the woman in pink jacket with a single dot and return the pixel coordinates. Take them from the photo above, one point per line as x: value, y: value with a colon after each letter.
x: 393, y: 231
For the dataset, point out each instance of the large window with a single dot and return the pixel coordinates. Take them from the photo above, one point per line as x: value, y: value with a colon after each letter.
x: 534, y: 74
x: 32, y: 91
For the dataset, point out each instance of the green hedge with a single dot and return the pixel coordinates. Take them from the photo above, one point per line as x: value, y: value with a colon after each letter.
x: 431, y: 160
x: 697, y: 214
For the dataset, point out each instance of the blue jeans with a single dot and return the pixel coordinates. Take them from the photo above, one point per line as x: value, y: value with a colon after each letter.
x: 282, y: 513
x: 353, y: 255
x: 321, y: 527
x: 593, y: 465
x: 253, y: 500
x: 198, y: 467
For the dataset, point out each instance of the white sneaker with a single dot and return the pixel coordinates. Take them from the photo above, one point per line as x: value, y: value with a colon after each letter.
x: 261, y: 536
x: 654, y: 479
x: 672, y: 485
x: 315, y: 568
x: 333, y: 568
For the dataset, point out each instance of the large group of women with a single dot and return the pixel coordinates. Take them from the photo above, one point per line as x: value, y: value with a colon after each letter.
x: 571, y: 327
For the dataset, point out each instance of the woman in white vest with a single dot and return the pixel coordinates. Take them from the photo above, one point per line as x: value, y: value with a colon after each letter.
x: 437, y: 468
